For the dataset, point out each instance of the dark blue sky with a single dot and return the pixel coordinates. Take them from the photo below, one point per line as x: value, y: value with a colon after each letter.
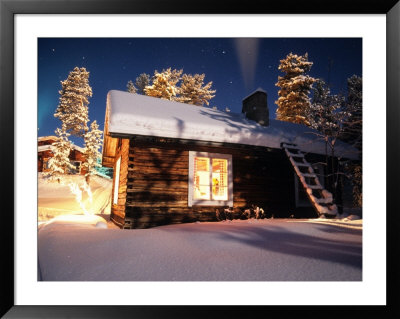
x: 112, y: 62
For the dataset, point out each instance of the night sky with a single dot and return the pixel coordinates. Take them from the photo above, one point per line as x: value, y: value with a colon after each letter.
x: 236, y: 67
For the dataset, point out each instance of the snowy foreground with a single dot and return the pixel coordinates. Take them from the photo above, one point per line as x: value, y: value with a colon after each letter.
x: 81, y: 248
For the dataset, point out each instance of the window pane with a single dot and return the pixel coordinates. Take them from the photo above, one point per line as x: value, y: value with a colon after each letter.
x: 201, y: 178
x: 219, y: 179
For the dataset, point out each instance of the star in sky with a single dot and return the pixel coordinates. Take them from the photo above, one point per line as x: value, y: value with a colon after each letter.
x: 112, y: 62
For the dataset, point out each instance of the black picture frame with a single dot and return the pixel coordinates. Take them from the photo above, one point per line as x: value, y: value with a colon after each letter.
x: 8, y: 10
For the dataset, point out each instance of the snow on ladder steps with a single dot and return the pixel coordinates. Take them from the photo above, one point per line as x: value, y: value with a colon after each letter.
x: 288, y: 144
x: 315, y: 186
x: 323, y: 205
x: 302, y: 164
x: 295, y: 154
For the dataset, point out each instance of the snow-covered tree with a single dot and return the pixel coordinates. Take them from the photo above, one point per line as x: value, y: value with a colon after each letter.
x: 352, y: 133
x: 130, y: 87
x: 91, y: 150
x: 294, y: 102
x: 72, y: 109
x: 352, y: 129
x: 59, y: 164
x: 357, y: 185
x: 326, y: 115
x: 164, y: 84
x: 194, y: 91
x: 142, y: 81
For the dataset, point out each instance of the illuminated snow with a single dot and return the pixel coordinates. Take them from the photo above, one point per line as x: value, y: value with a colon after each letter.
x: 143, y: 115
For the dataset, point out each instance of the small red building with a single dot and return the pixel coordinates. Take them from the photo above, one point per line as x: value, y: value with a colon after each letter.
x: 45, y: 152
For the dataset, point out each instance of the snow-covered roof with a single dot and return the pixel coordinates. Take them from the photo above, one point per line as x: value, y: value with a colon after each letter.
x: 43, y: 148
x: 135, y: 114
x: 258, y: 90
x: 78, y: 148
x: 46, y: 138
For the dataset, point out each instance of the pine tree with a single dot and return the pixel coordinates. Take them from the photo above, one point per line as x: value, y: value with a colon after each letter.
x: 59, y: 164
x: 142, y: 81
x: 72, y: 109
x: 352, y: 133
x: 352, y: 130
x: 164, y: 84
x: 193, y: 91
x: 130, y: 87
x: 326, y: 115
x: 91, y: 150
x: 293, y: 102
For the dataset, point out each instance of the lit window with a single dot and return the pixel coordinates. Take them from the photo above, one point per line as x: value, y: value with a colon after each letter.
x: 201, y: 178
x: 210, y: 179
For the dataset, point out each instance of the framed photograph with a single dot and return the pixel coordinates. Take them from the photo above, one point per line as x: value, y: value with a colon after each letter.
x: 40, y: 40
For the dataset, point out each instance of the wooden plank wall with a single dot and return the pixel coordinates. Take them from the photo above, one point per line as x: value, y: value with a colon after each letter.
x: 78, y: 156
x: 42, y: 156
x: 157, y: 182
x: 118, y: 210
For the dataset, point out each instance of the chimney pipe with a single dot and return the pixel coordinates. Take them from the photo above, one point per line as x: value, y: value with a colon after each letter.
x: 255, y: 107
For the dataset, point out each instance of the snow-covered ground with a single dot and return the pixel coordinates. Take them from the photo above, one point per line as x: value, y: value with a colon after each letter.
x: 57, y: 199
x: 240, y: 250
x: 77, y: 247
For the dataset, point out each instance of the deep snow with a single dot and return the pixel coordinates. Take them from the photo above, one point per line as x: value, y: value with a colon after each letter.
x: 77, y: 247
x: 240, y: 250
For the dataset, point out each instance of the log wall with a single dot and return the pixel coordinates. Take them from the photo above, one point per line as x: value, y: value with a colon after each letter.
x: 157, y: 182
x: 118, y: 209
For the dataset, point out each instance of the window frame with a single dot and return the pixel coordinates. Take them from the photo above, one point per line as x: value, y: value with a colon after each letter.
x: 116, y: 180
x: 75, y: 170
x: 209, y: 202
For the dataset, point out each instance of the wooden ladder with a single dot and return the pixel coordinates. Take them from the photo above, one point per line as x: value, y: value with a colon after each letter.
x: 320, y: 198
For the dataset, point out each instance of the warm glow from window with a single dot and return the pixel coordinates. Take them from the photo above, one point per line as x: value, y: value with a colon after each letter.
x: 219, y: 179
x: 210, y: 184
x: 201, y: 178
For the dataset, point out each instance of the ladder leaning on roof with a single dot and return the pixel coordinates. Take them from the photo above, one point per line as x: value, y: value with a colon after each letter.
x: 319, y: 197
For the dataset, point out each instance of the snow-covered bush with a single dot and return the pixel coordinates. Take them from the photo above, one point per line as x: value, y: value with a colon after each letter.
x: 253, y: 212
x: 224, y: 214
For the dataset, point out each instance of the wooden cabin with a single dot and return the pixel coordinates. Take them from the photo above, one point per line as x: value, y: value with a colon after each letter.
x: 176, y: 163
x: 45, y: 152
